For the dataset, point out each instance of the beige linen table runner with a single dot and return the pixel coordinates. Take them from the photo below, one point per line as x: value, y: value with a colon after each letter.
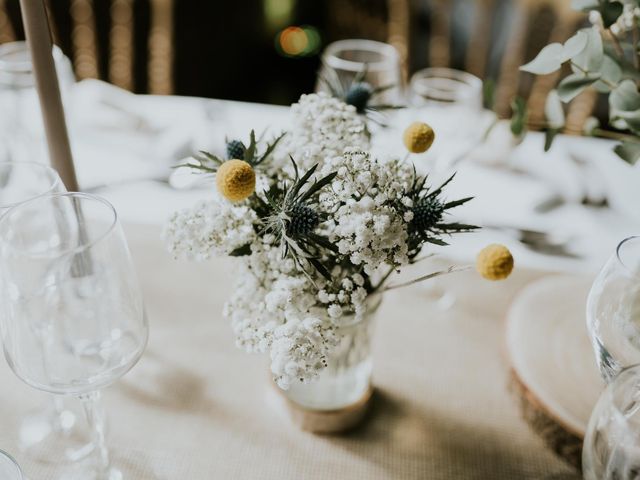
x: 197, y: 408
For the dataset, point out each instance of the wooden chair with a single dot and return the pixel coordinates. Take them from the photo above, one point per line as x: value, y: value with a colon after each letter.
x: 135, y: 51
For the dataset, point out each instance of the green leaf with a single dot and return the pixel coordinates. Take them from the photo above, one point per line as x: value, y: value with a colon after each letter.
x: 624, y: 105
x: 549, y: 135
x: 591, y: 58
x: 519, y: 117
x: 584, y: 5
x: 547, y: 61
x: 610, y: 72
x: 553, y: 110
x: 489, y: 93
x: 610, y: 12
x: 571, y: 86
x: 628, y: 151
x: 250, y: 151
x: 575, y: 45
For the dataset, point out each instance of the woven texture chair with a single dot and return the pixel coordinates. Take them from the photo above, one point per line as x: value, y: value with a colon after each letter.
x: 131, y: 47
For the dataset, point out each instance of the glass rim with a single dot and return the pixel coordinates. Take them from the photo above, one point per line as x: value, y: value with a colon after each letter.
x: 386, y: 50
x: 464, y: 78
x: 85, y: 196
x: 13, y: 461
x: 21, y: 66
x: 57, y: 181
x: 618, y: 252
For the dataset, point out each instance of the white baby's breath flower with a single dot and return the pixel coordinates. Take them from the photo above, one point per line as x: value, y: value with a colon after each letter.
x: 321, y: 127
x: 211, y: 228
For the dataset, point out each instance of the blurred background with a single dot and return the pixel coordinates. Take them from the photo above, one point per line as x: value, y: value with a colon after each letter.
x: 269, y: 50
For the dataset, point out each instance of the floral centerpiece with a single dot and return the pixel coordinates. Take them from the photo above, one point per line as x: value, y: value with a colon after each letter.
x: 319, y: 226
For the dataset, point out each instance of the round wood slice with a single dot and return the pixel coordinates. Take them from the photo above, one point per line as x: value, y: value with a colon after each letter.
x: 553, y: 369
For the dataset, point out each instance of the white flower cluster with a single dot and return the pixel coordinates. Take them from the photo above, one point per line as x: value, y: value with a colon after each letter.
x: 275, y: 308
x: 211, y: 228
x: 321, y: 127
x: 366, y: 226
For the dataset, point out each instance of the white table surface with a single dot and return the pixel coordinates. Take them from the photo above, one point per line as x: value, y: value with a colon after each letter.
x: 114, y: 156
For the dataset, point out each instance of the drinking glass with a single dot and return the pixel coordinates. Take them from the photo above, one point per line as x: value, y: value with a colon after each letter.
x: 19, y: 182
x: 9, y: 469
x: 74, y: 319
x: 611, y: 448
x: 451, y: 102
x: 21, y: 127
x: 346, y: 59
x: 613, y: 310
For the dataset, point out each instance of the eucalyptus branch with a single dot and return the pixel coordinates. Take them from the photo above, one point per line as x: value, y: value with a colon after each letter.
x: 451, y: 269
x: 616, y: 44
x: 599, y: 132
x: 608, y: 83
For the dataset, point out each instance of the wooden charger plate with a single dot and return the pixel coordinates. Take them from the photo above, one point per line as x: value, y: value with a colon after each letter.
x: 553, y: 368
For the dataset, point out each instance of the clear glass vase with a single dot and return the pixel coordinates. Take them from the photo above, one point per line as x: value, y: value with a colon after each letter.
x: 346, y: 380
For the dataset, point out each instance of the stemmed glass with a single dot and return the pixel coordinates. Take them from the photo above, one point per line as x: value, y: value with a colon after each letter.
x: 9, y: 469
x: 613, y: 310
x: 19, y: 182
x: 74, y: 319
x: 611, y: 448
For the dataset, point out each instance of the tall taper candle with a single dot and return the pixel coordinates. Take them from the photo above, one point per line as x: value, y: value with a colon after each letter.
x: 36, y: 26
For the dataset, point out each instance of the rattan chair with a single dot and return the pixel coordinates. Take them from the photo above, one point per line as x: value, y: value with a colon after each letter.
x: 138, y: 38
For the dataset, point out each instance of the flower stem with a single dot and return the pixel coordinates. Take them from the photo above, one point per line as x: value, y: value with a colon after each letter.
x: 94, y: 411
x: 451, y: 269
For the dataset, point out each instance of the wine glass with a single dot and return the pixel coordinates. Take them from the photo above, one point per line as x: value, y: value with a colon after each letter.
x: 74, y: 319
x: 613, y: 310
x: 9, y: 468
x: 346, y: 60
x: 19, y: 182
x: 611, y: 448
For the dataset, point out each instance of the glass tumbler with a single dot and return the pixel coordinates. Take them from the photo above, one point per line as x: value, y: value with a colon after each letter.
x: 21, y: 127
x: 613, y: 310
x: 377, y: 63
x: 611, y: 448
x: 451, y: 102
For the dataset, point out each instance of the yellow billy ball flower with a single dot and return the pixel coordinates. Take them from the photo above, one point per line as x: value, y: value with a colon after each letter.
x: 236, y: 180
x: 418, y: 137
x: 494, y: 262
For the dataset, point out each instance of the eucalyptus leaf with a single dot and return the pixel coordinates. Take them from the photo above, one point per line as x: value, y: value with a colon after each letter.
x: 547, y: 61
x: 571, y: 86
x: 519, y: 117
x: 553, y: 110
x: 575, y: 45
x: 610, y: 73
x: 628, y: 151
x: 549, y: 136
x: 584, y: 5
x: 591, y: 58
x: 624, y: 105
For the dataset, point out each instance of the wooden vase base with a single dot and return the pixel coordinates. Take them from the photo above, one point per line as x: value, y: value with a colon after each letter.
x: 326, y: 421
